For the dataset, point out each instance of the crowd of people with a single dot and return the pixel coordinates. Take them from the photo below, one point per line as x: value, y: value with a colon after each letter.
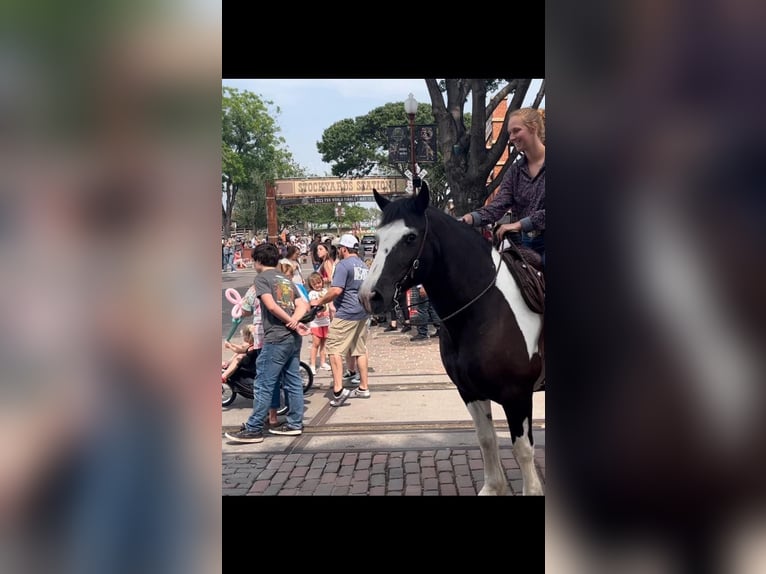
x: 278, y: 301
x: 280, y: 296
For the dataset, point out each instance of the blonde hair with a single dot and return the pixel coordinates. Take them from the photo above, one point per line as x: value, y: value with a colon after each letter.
x: 533, y: 118
x: 248, y: 333
x: 314, y: 276
x: 286, y: 267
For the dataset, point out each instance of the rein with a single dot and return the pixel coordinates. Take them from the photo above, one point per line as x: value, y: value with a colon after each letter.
x: 472, y: 301
x: 416, y: 264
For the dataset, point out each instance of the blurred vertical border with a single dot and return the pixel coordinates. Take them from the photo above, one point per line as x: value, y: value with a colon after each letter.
x: 656, y: 282
x: 110, y: 164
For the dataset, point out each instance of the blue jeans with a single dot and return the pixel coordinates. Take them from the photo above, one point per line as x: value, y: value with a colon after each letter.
x: 229, y: 262
x: 275, y: 398
x: 278, y: 361
x: 425, y: 312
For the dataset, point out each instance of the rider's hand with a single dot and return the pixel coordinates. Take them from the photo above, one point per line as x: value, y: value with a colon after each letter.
x: 467, y: 218
x: 514, y: 227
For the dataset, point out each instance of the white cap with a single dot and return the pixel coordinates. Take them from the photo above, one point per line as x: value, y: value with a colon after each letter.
x: 348, y: 240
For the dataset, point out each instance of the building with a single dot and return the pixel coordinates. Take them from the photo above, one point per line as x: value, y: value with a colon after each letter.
x: 493, y: 129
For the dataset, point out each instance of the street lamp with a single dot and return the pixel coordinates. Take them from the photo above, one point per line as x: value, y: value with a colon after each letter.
x: 411, y: 108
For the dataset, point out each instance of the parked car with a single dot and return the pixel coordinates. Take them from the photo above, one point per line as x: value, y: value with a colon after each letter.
x: 369, y: 245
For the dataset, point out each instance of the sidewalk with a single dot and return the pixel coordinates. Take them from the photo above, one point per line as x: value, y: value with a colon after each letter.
x: 413, y: 436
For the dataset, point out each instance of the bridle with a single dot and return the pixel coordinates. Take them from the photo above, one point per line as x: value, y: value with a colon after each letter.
x: 415, y: 264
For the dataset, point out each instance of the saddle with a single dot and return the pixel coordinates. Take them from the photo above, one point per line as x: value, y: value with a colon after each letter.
x: 526, y: 267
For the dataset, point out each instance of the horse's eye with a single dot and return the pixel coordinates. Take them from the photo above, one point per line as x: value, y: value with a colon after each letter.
x: 410, y: 237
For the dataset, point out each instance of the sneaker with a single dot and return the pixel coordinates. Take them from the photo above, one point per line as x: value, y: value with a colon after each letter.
x: 419, y: 337
x: 245, y: 435
x: 338, y: 401
x: 434, y: 334
x: 286, y: 430
x: 313, y: 370
x: 406, y: 328
x: 390, y: 328
x: 360, y: 394
x: 326, y: 367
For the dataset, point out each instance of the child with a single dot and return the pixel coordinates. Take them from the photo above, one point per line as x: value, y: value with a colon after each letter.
x: 320, y: 324
x: 288, y: 268
x: 252, y: 306
x: 239, y: 350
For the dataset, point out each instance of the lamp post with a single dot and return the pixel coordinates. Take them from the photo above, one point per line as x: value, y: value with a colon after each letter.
x: 411, y: 108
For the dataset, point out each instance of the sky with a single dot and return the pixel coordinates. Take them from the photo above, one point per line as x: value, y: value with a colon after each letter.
x: 310, y: 106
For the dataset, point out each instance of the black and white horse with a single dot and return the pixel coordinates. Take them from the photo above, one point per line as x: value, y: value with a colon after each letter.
x: 488, y: 335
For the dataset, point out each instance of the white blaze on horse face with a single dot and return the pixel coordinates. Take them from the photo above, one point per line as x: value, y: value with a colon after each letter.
x: 529, y: 322
x: 388, y: 236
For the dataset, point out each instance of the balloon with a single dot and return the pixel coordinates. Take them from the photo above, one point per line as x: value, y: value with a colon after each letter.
x: 233, y: 329
x: 236, y: 299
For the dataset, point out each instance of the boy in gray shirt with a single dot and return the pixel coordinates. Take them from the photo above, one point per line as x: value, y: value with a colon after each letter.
x: 282, y: 308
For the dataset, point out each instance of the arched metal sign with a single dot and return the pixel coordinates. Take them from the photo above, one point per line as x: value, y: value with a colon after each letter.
x: 326, y: 190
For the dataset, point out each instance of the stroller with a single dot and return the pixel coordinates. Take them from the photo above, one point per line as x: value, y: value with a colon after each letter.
x: 241, y: 381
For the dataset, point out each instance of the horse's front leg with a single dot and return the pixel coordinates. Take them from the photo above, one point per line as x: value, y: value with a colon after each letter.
x: 519, y: 416
x: 495, y: 482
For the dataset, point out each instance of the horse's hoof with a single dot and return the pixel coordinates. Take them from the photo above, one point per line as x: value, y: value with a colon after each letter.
x: 487, y: 491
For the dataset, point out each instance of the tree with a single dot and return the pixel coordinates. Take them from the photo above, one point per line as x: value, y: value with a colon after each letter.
x: 323, y: 215
x: 250, y: 205
x: 356, y: 147
x: 251, y: 155
x: 306, y: 216
x: 462, y: 145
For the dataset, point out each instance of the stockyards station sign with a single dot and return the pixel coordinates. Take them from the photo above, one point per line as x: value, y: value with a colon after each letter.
x: 336, y: 189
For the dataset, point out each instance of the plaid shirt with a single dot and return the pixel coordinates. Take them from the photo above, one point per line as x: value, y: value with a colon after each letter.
x: 251, y: 304
x: 520, y: 193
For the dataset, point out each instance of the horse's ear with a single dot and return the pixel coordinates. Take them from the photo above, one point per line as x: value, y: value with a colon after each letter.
x: 421, y: 199
x: 380, y: 200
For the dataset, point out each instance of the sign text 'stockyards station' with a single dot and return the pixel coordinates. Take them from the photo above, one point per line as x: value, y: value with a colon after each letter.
x: 326, y: 190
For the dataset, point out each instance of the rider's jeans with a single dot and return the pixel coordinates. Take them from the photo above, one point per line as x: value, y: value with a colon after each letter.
x: 274, y: 361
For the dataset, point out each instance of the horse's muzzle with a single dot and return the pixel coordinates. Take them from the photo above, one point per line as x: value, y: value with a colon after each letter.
x: 373, y: 302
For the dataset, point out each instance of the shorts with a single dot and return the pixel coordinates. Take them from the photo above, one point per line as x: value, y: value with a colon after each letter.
x: 345, y: 336
x: 320, y: 332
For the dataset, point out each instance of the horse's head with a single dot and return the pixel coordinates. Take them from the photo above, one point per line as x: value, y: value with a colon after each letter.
x: 401, y: 246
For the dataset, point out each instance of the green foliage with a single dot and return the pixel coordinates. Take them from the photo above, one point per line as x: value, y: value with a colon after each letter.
x: 358, y: 147
x: 252, y: 155
x: 305, y: 216
x: 322, y: 215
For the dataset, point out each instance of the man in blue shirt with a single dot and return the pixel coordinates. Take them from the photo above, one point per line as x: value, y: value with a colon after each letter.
x: 349, y: 328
